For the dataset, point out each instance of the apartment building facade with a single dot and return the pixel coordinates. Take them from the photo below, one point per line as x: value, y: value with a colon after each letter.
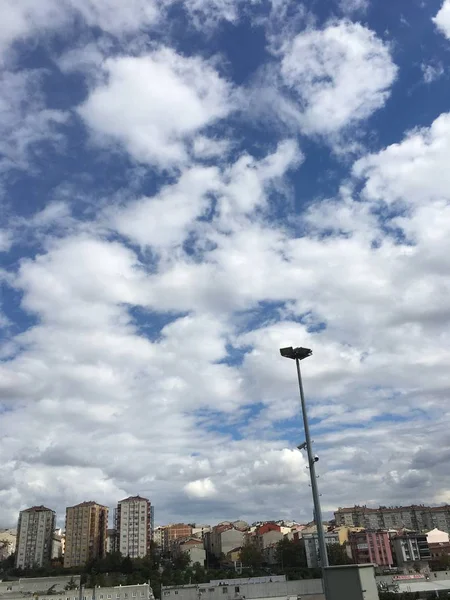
x: 223, y: 538
x: 412, y: 552
x: 310, y: 541
x: 173, y: 532
x: 371, y: 547
x: 416, y: 517
x: 133, y: 526
x: 34, y: 537
x: 86, y: 533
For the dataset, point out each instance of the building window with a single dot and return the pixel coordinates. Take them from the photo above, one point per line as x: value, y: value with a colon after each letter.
x: 224, y: 589
x: 236, y: 589
x: 134, y: 594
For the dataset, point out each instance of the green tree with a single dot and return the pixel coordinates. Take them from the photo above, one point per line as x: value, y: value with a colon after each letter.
x: 337, y: 555
x: 290, y: 554
x: 181, y: 562
x: 251, y: 556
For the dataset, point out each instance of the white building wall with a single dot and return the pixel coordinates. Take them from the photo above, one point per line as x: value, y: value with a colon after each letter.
x: 34, y: 538
x: 133, y: 527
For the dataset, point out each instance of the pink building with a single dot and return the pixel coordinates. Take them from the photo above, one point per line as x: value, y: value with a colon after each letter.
x: 371, y: 547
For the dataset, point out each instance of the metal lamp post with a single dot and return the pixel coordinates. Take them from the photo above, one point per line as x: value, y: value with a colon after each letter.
x: 299, y: 354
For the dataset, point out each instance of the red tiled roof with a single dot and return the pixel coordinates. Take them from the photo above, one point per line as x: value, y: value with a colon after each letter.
x: 87, y: 503
x: 37, y: 509
x: 134, y: 498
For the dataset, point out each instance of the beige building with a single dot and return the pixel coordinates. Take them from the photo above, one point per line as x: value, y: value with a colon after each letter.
x: 222, y: 538
x: 34, y: 537
x: 192, y: 547
x: 133, y: 526
x: 86, y: 526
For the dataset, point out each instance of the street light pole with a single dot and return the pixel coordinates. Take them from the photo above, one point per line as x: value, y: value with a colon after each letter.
x: 299, y: 354
x: 312, y: 473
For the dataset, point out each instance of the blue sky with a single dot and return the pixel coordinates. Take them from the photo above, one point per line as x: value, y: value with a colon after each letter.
x: 187, y: 186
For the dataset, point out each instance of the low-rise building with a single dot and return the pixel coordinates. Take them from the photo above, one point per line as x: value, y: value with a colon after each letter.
x: 371, y: 547
x: 253, y: 588
x: 158, y: 536
x: 310, y: 541
x: 412, y: 552
x: 234, y: 555
x: 43, y: 589
x: 222, y: 538
x: 57, y: 546
x: 172, y: 532
x: 440, y: 555
x: 191, y: 546
x: 435, y: 536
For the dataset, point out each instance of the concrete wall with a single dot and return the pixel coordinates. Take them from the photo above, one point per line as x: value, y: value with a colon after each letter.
x: 124, y: 592
x: 238, y: 590
x: 37, y: 584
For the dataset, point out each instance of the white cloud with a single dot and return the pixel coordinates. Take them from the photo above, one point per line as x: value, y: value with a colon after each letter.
x: 164, y: 220
x: 338, y: 76
x: 201, y: 488
x: 24, y: 119
x: 353, y: 6
x: 155, y: 104
x: 158, y: 322
x: 442, y: 19
x: 413, y: 171
x: 432, y: 72
x: 25, y: 19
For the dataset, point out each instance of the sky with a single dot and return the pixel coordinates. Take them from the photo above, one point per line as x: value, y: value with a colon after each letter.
x: 189, y: 185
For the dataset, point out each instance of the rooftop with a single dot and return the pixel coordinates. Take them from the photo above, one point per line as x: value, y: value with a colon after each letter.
x: 365, y: 508
x: 87, y: 503
x: 40, y: 508
x: 134, y: 499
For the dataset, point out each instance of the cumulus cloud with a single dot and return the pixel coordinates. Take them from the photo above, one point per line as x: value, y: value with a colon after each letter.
x: 156, y: 103
x: 442, y: 19
x: 338, y: 76
x: 201, y: 488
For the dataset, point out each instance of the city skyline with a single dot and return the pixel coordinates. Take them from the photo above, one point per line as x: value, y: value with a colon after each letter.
x: 186, y: 187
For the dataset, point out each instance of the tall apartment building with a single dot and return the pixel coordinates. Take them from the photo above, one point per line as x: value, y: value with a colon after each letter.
x: 133, y: 524
x: 34, y: 537
x: 415, y: 517
x: 86, y: 527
